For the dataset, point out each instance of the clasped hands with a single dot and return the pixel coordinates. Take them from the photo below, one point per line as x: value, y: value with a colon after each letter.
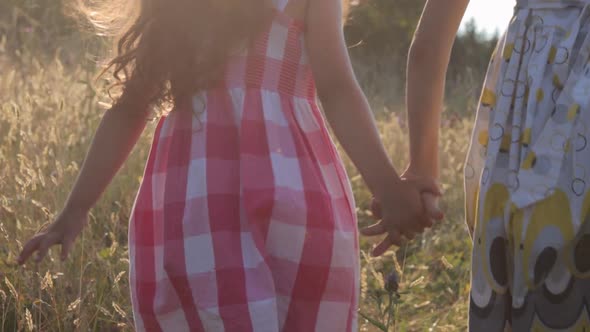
x: 404, y: 210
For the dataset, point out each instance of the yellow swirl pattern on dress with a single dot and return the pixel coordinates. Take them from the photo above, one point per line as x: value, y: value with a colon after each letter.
x: 540, y: 95
x: 508, y: 50
x: 529, y: 161
x: 515, y: 228
x: 494, y: 207
x: 552, y: 212
x: 488, y: 98
x: 472, y: 224
x: 571, y: 246
x: 582, y: 325
x: 573, y: 112
x: 526, y: 137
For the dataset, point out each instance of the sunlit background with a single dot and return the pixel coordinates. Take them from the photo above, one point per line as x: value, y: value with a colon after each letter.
x: 490, y: 15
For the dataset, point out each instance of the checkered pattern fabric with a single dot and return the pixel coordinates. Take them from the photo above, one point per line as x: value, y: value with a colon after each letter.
x: 245, y: 219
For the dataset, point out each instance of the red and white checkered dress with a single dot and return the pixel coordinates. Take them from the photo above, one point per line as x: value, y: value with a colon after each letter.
x: 245, y: 219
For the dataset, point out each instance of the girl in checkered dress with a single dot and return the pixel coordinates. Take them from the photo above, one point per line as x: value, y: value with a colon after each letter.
x: 245, y: 219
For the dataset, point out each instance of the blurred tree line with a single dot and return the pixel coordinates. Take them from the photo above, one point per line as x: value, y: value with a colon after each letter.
x: 39, y: 25
x: 386, y: 27
x: 378, y: 32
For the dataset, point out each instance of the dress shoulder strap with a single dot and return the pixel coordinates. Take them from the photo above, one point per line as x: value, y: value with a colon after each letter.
x: 280, y: 5
x: 293, y: 8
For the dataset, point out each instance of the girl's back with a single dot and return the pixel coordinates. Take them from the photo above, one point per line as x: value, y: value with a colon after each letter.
x: 245, y: 219
x: 277, y: 60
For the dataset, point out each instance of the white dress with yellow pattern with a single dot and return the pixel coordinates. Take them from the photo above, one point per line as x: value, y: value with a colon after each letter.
x: 527, y: 175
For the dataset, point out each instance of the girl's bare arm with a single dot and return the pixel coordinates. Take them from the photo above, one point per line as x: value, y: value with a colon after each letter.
x: 345, y: 105
x: 428, y: 61
x: 114, y: 139
x: 349, y: 114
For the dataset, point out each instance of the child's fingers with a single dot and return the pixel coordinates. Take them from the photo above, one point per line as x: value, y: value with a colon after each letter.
x: 431, y: 206
x: 410, y: 235
x: 393, y: 238
x: 427, y: 222
x: 30, y: 247
x: 375, y: 229
x: 66, y: 245
x: 44, y: 246
x: 427, y: 185
x: 376, y: 209
x: 41, y: 252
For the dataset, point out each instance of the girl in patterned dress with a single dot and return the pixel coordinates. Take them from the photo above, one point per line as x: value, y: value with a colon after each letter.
x: 527, y: 175
x: 245, y: 219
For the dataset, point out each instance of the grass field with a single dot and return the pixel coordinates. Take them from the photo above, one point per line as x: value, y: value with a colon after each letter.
x: 48, y: 113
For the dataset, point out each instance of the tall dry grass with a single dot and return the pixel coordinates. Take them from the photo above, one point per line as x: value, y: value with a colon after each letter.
x: 48, y: 113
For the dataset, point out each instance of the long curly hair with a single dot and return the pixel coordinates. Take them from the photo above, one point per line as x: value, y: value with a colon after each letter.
x: 167, y: 50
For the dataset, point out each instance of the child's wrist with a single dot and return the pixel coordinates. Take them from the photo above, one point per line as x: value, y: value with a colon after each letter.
x: 423, y: 169
x: 75, y: 208
x: 387, y: 187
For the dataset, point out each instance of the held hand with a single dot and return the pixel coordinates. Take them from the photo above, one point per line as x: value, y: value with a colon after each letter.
x: 64, y: 230
x: 429, y: 199
x: 431, y: 206
x: 410, y: 208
